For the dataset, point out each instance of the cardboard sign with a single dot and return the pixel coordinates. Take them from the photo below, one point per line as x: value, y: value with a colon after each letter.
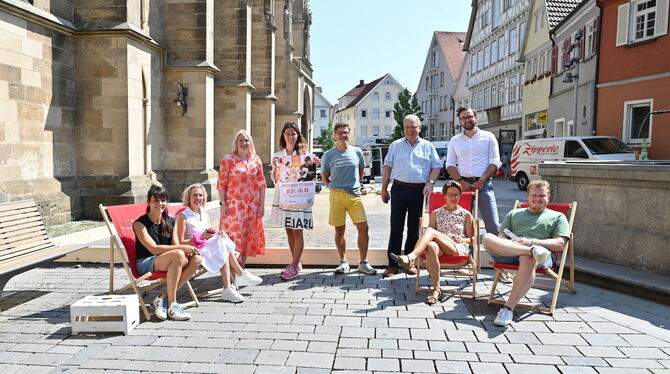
x: 296, y: 194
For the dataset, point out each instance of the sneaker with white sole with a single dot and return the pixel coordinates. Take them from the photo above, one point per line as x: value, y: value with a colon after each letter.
x: 231, y: 294
x: 504, y: 317
x: 540, y: 254
x: 343, y: 267
x: 247, y: 279
x: 176, y: 313
x: 365, y: 268
x: 160, y: 307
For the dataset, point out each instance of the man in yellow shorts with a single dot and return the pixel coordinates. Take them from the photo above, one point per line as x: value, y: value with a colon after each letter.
x: 342, y: 168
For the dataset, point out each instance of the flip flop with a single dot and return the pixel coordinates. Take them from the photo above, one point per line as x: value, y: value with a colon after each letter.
x: 432, y: 299
x: 399, y: 260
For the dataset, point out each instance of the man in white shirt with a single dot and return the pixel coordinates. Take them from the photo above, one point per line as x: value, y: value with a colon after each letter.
x: 472, y: 160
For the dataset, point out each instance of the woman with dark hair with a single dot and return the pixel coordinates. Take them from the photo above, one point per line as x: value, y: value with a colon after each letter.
x: 157, y: 249
x: 450, y: 232
x: 286, y: 166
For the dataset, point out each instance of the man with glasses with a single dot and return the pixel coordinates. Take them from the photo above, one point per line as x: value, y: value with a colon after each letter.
x: 342, y: 169
x: 472, y: 160
x: 413, y: 165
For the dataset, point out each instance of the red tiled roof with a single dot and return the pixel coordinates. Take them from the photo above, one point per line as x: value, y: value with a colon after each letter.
x: 451, y: 45
x: 361, y: 90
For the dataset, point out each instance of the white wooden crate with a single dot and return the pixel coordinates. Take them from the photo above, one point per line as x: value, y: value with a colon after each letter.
x: 112, y: 313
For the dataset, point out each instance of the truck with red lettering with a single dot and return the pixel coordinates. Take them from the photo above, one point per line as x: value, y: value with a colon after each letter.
x: 528, y: 154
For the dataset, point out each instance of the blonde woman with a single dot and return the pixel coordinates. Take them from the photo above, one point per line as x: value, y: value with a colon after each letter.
x: 194, y: 221
x: 242, y: 192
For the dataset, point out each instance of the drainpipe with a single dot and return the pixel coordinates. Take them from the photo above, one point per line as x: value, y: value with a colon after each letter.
x: 595, y: 85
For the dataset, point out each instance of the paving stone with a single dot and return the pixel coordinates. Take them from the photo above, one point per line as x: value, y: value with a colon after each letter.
x: 459, y: 367
x: 421, y: 366
x: 266, y: 357
x: 412, y: 323
x: 427, y: 334
x: 310, y: 359
x: 481, y: 347
x: 462, y: 356
x: 199, y: 367
x: 319, y: 337
x: 351, y: 363
x: 605, y: 340
x: 383, y: 364
x: 322, y: 347
x: 537, y: 359
x: 348, y: 352
x: 342, y: 321
x: 447, y: 346
x: 610, y: 328
x: 600, y: 351
x: 577, y: 370
x: 383, y: 343
x: 207, y: 355
x: 358, y: 332
x: 374, y: 322
x: 488, y: 337
x: 487, y: 368
x: 254, y: 344
x: 494, y: 357
x: 413, y: 345
x: 633, y: 363
x: 584, y: 361
x: 521, y: 337
x: 652, y: 353
x: 397, y: 353
x: 527, y: 326
x: 389, y: 333
x: 531, y: 369
x: 555, y: 350
x: 566, y: 327
x: 289, y: 345
x: 237, y: 356
x: 560, y: 339
x: 619, y: 370
x: 461, y: 336
x: 269, y: 369
x: 645, y: 341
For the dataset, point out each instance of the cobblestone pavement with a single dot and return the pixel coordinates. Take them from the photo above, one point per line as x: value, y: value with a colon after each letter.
x: 322, y: 323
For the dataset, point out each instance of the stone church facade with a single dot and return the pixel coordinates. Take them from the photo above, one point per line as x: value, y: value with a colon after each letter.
x: 99, y: 98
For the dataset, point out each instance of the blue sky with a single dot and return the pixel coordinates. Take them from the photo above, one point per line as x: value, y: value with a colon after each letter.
x: 364, y: 39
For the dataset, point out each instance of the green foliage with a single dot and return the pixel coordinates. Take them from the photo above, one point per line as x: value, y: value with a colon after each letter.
x: 327, y: 140
x: 405, y: 105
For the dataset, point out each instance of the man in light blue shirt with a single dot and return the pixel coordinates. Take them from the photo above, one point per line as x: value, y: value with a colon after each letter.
x: 413, y: 165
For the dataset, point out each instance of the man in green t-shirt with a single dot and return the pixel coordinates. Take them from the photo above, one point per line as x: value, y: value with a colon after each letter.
x: 535, y: 232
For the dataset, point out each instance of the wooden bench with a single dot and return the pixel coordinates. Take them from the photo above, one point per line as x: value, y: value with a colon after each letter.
x: 24, y: 242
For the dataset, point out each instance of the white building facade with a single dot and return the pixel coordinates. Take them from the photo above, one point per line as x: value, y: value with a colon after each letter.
x: 368, y: 110
x: 322, y: 114
x: 496, y: 76
x: 435, y: 92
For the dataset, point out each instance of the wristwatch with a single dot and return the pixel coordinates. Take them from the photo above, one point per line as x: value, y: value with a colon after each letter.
x: 431, y: 181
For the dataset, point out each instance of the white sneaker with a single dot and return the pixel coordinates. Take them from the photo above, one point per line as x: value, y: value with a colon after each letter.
x: 177, y: 313
x: 504, y: 317
x: 365, y: 268
x: 343, y: 268
x: 540, y: 254
x: 247, y: 279
x: 231, y: 294
x: 160, y: 307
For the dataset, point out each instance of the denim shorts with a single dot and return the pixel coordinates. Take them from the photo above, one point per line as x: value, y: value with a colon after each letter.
x: 514, y: 260
x: 145, y: 265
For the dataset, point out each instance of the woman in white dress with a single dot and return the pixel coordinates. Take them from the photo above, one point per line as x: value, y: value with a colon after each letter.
x: 217, y: 250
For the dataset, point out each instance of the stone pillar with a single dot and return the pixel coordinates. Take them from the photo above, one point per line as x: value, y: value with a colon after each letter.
x: 232, y: 54
x: 263, y: 79
x: 189, y: 33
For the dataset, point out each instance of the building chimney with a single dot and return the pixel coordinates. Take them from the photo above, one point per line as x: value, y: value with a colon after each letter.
x: 319, y: 89
x: 362, y: 83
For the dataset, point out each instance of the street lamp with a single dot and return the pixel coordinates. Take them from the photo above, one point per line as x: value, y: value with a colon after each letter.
x: 570, y: 77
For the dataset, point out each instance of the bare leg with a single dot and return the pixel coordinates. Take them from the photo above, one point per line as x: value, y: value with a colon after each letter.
x: 242, y: 260
x: 523, y: 281
x: 432, y: 264
x: 503, y: 247
x: 432, y: 235
x: 363, y: 239
x: 171, y: 262
x: 188, y: 271
x: 298, y: 246
x: 235, y: 267
x: 291, y: 242
x: 340, y: 242
x: 225, y: 274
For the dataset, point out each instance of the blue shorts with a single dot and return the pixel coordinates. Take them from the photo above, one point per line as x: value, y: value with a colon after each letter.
x: 514, y: 260
x: 145, y: 265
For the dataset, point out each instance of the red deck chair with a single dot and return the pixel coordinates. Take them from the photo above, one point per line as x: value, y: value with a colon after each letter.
x: 456, y: 266
x: 119, y: 220
x: 546, y: 278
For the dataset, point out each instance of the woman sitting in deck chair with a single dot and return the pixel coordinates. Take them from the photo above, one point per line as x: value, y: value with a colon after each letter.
x: 217, y: 250
x: 159, y: 250
x: 450, y: 232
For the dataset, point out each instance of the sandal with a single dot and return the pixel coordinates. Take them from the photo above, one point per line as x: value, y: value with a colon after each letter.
x: 434, y: 297
x: 401, y: 260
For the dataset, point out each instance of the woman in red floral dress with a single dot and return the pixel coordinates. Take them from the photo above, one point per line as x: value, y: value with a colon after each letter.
x: 242, y: 192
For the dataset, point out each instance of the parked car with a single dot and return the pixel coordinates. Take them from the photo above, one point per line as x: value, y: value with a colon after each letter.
x: 528, y: 154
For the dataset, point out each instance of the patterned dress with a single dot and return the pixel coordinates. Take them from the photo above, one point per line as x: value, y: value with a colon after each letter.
x: 243, y: 181
x: 452, y: 224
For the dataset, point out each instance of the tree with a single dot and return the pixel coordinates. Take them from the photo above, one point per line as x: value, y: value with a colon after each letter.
x: 326, y: 139
x: 405, y: 105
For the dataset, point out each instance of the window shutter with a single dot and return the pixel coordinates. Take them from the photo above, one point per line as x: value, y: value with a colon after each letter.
x: 661, y: 17
x: 594, y: 46
x: 582, y: 44
x: 554, y: 61
x: 623, y: 22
